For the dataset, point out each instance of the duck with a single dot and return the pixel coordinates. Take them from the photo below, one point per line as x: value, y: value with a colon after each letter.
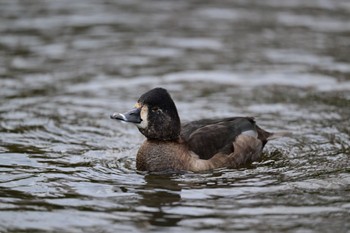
x: 196, y: 146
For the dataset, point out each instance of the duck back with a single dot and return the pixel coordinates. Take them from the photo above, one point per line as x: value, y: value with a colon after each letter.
x: 208, y: 137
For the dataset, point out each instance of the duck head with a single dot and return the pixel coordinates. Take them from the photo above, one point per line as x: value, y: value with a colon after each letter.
x: 155, y: 115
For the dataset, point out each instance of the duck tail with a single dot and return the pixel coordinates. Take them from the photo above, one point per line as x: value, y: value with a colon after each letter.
x: 278, y: 135
x: 266, y: 136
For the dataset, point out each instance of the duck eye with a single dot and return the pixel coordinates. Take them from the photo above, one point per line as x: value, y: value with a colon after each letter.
x: 155, y: 109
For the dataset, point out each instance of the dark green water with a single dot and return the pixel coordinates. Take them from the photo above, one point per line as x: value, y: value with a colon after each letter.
x: 65, y: 66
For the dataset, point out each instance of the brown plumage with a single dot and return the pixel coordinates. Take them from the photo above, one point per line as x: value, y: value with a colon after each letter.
x: 194, y: 146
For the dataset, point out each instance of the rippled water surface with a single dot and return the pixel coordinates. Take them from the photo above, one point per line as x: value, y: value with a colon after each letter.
x: 66, y: 65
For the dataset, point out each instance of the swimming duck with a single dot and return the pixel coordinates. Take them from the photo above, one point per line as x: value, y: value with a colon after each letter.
x: 200, y: 145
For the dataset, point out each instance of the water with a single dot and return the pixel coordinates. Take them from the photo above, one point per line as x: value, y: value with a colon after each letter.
x: 67, y: 65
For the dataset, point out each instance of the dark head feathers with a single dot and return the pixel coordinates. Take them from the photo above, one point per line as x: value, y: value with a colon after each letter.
x: 160, y: 98
x: 165, y: 123
x: 157, y: 96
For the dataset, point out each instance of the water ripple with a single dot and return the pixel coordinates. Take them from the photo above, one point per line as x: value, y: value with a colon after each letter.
x: 65, y: 66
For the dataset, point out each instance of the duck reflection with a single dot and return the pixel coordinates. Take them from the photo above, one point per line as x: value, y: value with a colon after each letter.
x: 157, y: 195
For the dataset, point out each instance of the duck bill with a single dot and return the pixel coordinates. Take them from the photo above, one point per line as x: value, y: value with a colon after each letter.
x: 132, y: 116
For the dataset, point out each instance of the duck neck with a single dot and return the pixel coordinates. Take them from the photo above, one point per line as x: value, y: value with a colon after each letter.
x: 165, y: 130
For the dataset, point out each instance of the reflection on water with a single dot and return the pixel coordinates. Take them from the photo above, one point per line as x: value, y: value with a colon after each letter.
x: 66, y: 65
x: 157, y: 195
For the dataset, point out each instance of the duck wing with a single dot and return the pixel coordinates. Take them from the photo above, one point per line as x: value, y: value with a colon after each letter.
x: 209, y: 136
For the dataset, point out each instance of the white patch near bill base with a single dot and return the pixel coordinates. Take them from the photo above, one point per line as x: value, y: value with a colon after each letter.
x: 144, y: 118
